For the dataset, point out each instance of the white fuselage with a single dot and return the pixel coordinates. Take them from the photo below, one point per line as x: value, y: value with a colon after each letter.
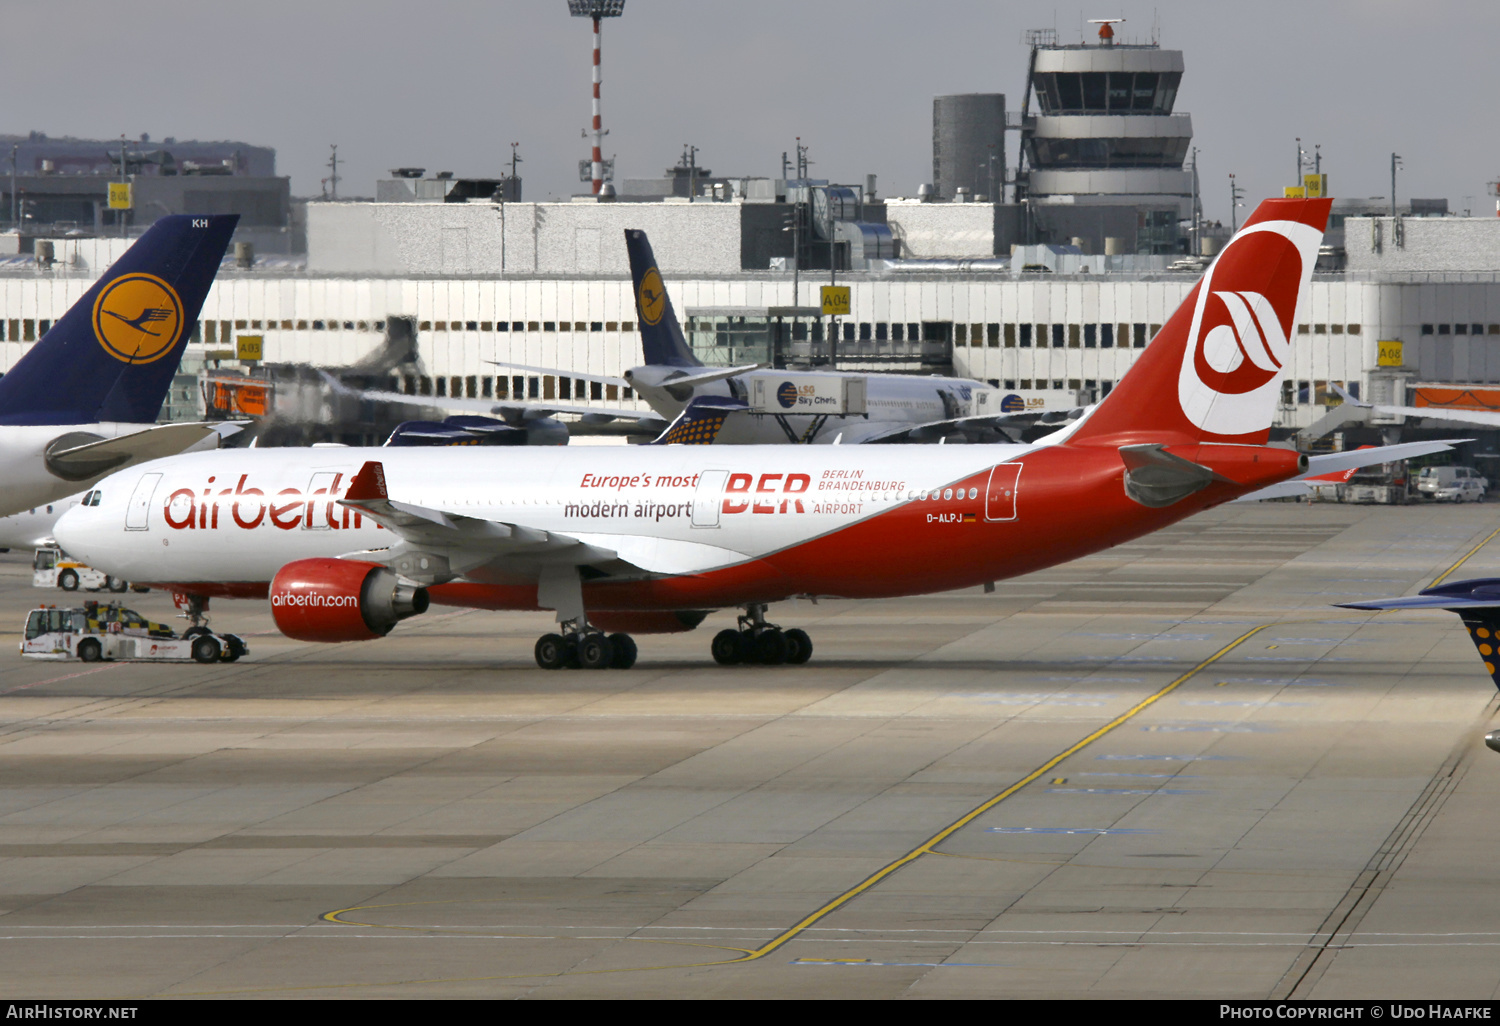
x: 31, y: 528
x: 240, y: 515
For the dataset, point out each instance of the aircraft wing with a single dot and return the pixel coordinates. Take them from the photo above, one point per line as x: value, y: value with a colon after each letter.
x: 1481, y: 418
x: 439, y: 545
x: 977, y: 427
x: 1457, y: 415
x: 519, y: 410
x: 80, y: 462
x: 1329, y: 463
x: 603, y: 379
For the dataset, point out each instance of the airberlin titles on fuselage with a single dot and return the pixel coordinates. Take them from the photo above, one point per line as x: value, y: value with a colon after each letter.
x: 247, y: 507
x: 243, y: 504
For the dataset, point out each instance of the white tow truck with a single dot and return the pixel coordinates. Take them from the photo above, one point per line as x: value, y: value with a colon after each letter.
x: 54, y: 568
x: 96, y: 631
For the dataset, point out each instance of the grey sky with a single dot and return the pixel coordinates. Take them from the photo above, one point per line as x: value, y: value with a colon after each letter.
x: 448, y: 84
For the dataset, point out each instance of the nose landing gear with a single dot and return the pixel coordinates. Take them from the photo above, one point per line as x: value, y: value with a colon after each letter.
x: 757, y: 641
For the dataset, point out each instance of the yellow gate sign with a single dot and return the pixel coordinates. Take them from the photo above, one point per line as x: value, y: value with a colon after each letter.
x: 1315, y: 186
x: 1389, y: 354
x: 836, y: 300
x: 248, y: 347
x: 119, y: 196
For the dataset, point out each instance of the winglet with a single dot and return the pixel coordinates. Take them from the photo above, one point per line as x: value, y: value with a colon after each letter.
x: 1343, y: 394
x: 368, y: 484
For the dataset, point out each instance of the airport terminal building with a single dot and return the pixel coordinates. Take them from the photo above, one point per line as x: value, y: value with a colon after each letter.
x: 571, y: 307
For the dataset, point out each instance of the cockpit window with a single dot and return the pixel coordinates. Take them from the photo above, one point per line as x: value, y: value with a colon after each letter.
x: 92, y: 498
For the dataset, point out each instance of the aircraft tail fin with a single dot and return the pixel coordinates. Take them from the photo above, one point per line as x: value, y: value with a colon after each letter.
x: 1213, y: 372
x: 661, y: 335
x: 1484, y: 630
x: 112, y: 356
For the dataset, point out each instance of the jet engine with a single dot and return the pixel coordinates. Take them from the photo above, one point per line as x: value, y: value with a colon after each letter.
x: 341, y: 600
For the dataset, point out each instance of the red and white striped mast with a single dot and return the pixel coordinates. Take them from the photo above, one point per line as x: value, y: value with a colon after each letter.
x: 597, y: 10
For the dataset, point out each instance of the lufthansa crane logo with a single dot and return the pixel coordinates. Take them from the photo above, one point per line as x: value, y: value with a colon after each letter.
x: 652, y: 297
x: 137, y: 318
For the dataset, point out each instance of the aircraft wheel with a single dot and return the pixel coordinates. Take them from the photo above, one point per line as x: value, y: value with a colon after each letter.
x: 727, y: 648
x: 233, y: 648
x: 625, y: 651
x: 570, y: 654
x: 551, y: 652
x: 90, y: 650
x: 67, y: 580
x: 595, y: 652
x: 205, y: 649
x: 770, y: 647
x: 799, y: 646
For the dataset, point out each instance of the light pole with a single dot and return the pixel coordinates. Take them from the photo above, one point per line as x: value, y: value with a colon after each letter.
x: 13, y: 206
x: 597, y: 10
x: 690, y: 161
x: 1395, y: 163
x: 1235, y: 195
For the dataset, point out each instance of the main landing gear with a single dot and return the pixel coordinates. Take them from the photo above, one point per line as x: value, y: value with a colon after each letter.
x: 583, y: 647
x: 757, y: 641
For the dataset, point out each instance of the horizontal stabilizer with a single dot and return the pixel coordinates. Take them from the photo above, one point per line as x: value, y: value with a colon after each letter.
x: 1333, y: 462
x: 1477, y: 603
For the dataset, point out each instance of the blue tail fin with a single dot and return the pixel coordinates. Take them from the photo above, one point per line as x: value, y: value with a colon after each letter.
x: 661, y: 335
x: 111, y: 357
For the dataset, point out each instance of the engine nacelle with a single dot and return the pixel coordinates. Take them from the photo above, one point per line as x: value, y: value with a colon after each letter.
x: 341, y: 600
x: 632, y: 622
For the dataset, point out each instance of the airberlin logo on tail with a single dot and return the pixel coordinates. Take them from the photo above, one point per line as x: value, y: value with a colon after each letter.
x: 137, y: 318
x: 1242, y: 322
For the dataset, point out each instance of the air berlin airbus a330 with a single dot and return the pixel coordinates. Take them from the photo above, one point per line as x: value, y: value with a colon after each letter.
x: 346, y: 542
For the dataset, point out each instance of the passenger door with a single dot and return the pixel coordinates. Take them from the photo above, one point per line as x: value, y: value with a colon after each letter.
x: 138, y: 512
x: 1000, y: 495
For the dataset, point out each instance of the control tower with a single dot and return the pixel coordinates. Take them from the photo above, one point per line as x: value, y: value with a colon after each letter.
x: 1103, y: 150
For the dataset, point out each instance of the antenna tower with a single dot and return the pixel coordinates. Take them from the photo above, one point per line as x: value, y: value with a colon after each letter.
x: 597, y: 10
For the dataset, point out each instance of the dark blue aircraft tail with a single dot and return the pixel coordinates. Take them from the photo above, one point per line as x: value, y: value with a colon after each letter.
x: 111, y: 357
x: 661, y: 335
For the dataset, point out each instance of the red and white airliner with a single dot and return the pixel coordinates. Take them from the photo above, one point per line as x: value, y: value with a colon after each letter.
x: 347, y: 542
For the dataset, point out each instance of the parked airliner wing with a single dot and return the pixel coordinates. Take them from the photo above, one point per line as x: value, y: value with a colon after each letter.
x: 974, y: 427
x: 522, y: 413
x: 439, y: 545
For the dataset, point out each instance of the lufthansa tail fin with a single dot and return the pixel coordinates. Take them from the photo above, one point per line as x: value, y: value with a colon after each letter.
x: 1213, y: 373
x: 111, y: 357
x: 661, y: 335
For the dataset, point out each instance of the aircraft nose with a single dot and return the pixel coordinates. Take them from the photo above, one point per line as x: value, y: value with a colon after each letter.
x: 71, y: 531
